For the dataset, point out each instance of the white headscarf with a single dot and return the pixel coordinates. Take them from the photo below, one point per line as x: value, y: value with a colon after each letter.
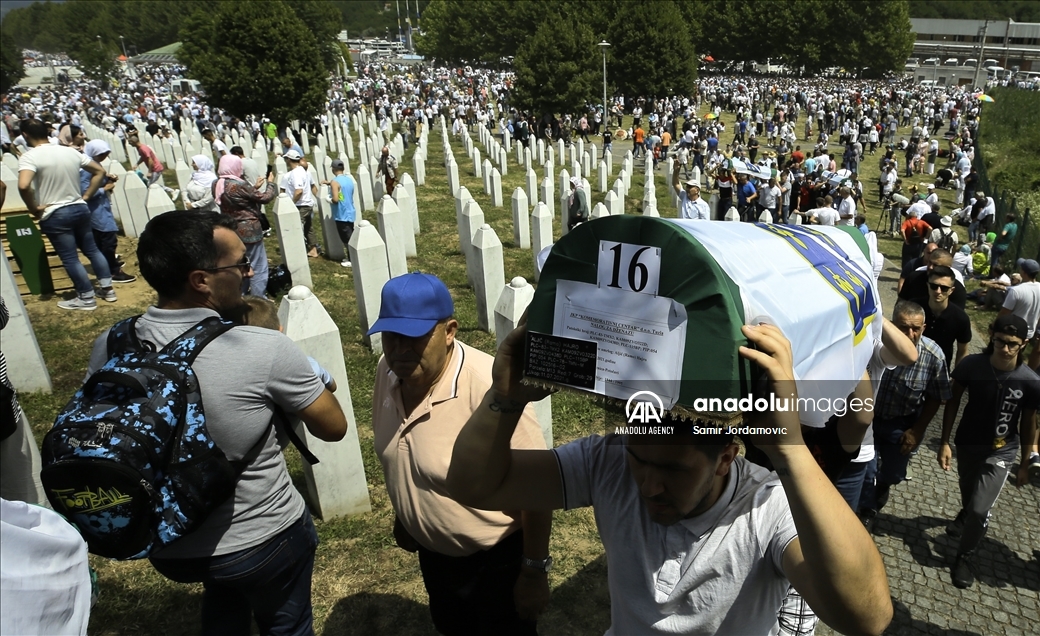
x: 205, y: 174
x: 96, y: 148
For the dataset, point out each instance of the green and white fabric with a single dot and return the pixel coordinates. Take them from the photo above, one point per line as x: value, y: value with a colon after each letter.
x: 816, y: 284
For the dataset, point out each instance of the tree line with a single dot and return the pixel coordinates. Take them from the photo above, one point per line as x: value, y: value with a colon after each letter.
x: 656, y: 45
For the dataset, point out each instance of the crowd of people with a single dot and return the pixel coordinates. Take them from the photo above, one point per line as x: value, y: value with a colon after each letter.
x: 467, y: 470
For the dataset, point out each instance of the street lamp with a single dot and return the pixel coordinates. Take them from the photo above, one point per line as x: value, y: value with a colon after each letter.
x: 99, y: 44
x: 122, y: 45
x: 604, y: 45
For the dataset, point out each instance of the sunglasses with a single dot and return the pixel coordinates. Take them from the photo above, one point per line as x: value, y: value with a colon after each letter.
x: 243, y: 266
x: 942, y: 288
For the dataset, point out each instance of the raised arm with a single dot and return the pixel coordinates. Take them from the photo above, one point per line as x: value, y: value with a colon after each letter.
x: 484, y: 471
x: 898, y: 349
x: 833, y: 563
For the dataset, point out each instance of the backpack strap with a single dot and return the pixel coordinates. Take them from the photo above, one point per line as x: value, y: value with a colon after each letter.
x: 281, y: 422
x: 122, y: 337
x: 189, y: 344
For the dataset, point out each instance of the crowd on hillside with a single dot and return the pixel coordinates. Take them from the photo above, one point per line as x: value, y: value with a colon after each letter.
x: 793, y: 156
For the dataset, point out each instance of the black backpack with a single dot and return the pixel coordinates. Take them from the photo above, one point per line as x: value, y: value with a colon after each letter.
x: 130, y: 461
x: 945, y: 240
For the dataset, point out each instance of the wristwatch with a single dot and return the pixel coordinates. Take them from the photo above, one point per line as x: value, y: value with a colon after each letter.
x: 543, y: 565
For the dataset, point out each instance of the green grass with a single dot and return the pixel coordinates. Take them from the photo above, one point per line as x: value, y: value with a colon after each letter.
x: 364, y: 584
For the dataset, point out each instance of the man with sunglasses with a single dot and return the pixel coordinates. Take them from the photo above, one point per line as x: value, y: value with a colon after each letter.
x: 1003, y: 395
x: 255, y: 552
x: 945, y: 323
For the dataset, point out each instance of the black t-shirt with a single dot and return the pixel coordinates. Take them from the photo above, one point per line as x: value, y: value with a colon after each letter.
x: 915, y: 286
x: 996, y: 400
x: 952, y: 325
x: 933, y: 220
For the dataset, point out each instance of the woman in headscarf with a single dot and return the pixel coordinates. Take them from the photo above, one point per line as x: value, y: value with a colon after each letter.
x: 199, y: 193
x: 577, y: 204
x: 102, y: 221
x: 244, y: 202
x: 73, y: 136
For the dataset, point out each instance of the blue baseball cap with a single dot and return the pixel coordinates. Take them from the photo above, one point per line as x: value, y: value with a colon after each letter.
x: 412, y: 305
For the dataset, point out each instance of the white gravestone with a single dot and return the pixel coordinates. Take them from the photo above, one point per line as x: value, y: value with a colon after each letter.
x: 409, y: 184
x: 136, y: 194
x: 521, y: 222
x: 477, y: 166
x: 531, y: 185
x: 599, y: 211
x: 472, y: 218
x: 419, y: 164
x: 602, y: 174
x: 336, y: 484
x: 547, y: 195
x: 496, y: 188
x: 453, y: 177
x: 541, y: 232
x: 487, y: 177
x: 158, y: 201
x: 333, y: 245
x: 406, y: 204
x: 393, y: 231
x: 614, y: 203
x: 25, y: 365
x: 489, y: 275
x: 364, y: 184
x: 290, y: 238
x: 368, y: 255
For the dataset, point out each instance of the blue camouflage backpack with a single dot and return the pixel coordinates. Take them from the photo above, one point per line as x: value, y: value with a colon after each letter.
x: 129, y: 460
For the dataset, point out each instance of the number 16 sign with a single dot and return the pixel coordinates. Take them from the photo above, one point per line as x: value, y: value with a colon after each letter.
x: 635, y: 268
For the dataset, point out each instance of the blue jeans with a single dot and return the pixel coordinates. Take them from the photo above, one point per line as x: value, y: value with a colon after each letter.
x: 68, y: 228
x: 271, y: 581
x: 850, y: 483
x: 257, y: 255
x: 889, y: 465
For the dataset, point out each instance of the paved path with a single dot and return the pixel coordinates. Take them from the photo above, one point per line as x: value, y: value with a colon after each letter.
x: 910, y: 535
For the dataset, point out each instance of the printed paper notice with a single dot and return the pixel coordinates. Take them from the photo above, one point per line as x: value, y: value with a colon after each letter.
x: 640, y: 339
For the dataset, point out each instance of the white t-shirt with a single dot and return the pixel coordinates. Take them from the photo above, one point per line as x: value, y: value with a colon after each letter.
x: 825, y: 216
x: 56, y: 178
x: 720, y: 572
x: 219, y: 148
x: 847, y: 207
x: 1024, y: 301
x: 299, y: 179
x: 767, y: 196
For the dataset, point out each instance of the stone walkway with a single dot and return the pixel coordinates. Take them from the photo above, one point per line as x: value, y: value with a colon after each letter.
x: 910, y: 533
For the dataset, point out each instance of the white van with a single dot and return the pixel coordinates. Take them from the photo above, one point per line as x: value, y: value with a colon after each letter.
x: 972, y: 62
x: 951, y: 62
x: 932, y: 61
x: 927, y: 83
x: 990, y: 62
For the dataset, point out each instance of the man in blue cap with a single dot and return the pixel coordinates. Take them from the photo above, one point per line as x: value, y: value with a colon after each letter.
x: 485, y: 572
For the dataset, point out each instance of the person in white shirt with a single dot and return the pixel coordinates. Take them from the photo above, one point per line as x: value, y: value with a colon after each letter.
x: 219, y: 147
x: 1023, y: 299
x: 691, y: 205
x: 302, y: 189
x: 698, y: 541
x: 847, y: 207
x: 823, y: 214
x: 769, y: 198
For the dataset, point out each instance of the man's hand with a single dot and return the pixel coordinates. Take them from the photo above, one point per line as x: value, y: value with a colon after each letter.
x: 1022, y: 477
x: 508, y: 369
x: 909, y: 441
x: 404, y: 540
x: 531, y: 593
x: 772, y: 352
x: 945, y: 456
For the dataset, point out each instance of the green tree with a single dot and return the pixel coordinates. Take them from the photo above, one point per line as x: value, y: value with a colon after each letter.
x: 324, y: 21
x: 255, y: 58
x: 481, y: 32
x: 556, y: 69
x: 651, y: 51
x: 93, y: 58
x: 870, y: 34
x: 11, y: 67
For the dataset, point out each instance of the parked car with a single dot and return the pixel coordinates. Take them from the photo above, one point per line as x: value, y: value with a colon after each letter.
x: 972, y: 62
x: 951, y: 62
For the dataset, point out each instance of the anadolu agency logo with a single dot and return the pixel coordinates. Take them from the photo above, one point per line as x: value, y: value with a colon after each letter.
x: 644, y: 412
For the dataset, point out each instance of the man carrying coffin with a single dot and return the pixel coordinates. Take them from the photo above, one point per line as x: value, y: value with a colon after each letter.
x: 698, y: 540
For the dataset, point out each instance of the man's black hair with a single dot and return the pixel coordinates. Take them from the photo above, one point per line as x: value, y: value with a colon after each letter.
x: 942, y: 271
x: 177, y: 243
x: 237, y: 151
x: 35, y: 129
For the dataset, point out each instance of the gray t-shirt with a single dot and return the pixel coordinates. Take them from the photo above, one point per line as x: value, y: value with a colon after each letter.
x: 242, y: 373
x: 718, y: 573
